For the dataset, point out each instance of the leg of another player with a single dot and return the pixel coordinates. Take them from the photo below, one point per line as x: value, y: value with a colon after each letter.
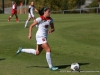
x: 16, y: 18
x: 10, y: 17
x: 33, y: 18
x: 26, y: 23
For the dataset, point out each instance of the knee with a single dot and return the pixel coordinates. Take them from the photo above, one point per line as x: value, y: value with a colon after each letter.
x: 37, y: 53
x: 48, y: 50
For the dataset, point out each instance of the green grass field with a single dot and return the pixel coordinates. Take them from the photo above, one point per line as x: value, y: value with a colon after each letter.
x: 76, y: 39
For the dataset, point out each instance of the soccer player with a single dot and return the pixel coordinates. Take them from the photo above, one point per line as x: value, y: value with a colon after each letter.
x: 30, y: 13
x: 13, y: 12
x: 43, y: 22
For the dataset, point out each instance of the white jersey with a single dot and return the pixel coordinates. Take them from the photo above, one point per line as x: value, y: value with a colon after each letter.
x: 43, y: 26
x: 31, y: 9
x: 14, y: 6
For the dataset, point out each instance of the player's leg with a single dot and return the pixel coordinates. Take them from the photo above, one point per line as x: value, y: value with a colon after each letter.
x: 10, y: 17
x: 16, y: 17
x: 46, y: 47
x: 38, y: 49
x: 48, y: 54
x: 27, y: 21
x: 33, y: 18
x: 31, y: 51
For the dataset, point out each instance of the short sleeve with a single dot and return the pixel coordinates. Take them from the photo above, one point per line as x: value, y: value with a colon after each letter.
x: 38, y: 20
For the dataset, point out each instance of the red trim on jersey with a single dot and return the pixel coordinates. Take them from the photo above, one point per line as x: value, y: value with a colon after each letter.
x: 43, y: 18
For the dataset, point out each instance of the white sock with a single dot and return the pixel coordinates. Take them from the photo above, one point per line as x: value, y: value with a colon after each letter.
x: 26, y: 23
x: 10, y: 16
x: 32, y: 51
x: 48, y: 58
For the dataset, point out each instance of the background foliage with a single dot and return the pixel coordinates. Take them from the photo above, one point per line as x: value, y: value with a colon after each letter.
x: 55, y: 4
x: 94, y: 3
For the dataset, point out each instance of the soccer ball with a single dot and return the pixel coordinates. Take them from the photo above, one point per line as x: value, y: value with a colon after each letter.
x: 75, y: 67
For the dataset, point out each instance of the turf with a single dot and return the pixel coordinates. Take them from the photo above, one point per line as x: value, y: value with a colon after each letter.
x: 76, y: 39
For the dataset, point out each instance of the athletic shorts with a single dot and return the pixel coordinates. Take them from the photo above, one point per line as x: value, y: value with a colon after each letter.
x: 30, y: 15
x: 41, y: 40
x: 14, y: 12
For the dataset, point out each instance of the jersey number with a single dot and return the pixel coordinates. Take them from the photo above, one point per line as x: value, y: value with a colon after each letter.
x: 46, y: 26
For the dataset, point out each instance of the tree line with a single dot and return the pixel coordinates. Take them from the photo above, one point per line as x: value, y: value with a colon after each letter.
x: 55, y: 4
x: 58, y: 4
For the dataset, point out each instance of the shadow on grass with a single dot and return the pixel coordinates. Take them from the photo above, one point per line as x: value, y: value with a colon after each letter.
x: 62, y: 66
x: 65, y: 66
x: 37, y: 66
x: 59, y: 66
x: 81, y: 64
x: 2, y: 59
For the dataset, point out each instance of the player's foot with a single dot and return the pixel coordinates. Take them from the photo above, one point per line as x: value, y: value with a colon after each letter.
x: 26, y: 27
x: 8, y: 20
x: 54, y: 68
x: 19, y: 50
x: 17, y: 21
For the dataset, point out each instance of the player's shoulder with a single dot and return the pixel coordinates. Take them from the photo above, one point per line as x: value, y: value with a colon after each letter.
x: 43, y: 18
x: 39, y: 18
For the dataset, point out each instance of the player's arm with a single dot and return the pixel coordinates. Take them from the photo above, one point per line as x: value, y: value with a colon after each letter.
x: 30, y: 29
x: 36, y: 10
x: 52, y: 28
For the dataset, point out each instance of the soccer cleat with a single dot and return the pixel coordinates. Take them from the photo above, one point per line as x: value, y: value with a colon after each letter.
x: 54, y: 68
x: 19, y: 50
x: 17, y: 21
x: 9, y: 19
x: 26, y: 26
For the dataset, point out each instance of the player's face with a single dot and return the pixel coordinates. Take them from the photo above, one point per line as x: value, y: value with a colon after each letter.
x: 47, y: 13
x: 32, y: 3
x: 13, y: 2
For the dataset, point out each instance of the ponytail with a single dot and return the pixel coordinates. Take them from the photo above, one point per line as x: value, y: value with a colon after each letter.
x: 41, y: 12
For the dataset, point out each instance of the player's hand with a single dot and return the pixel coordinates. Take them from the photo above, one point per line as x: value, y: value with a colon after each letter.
x: 29, y: 37
x: 49, y: 31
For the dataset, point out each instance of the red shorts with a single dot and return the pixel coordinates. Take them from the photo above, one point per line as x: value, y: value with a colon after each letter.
x: 14, y: 11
